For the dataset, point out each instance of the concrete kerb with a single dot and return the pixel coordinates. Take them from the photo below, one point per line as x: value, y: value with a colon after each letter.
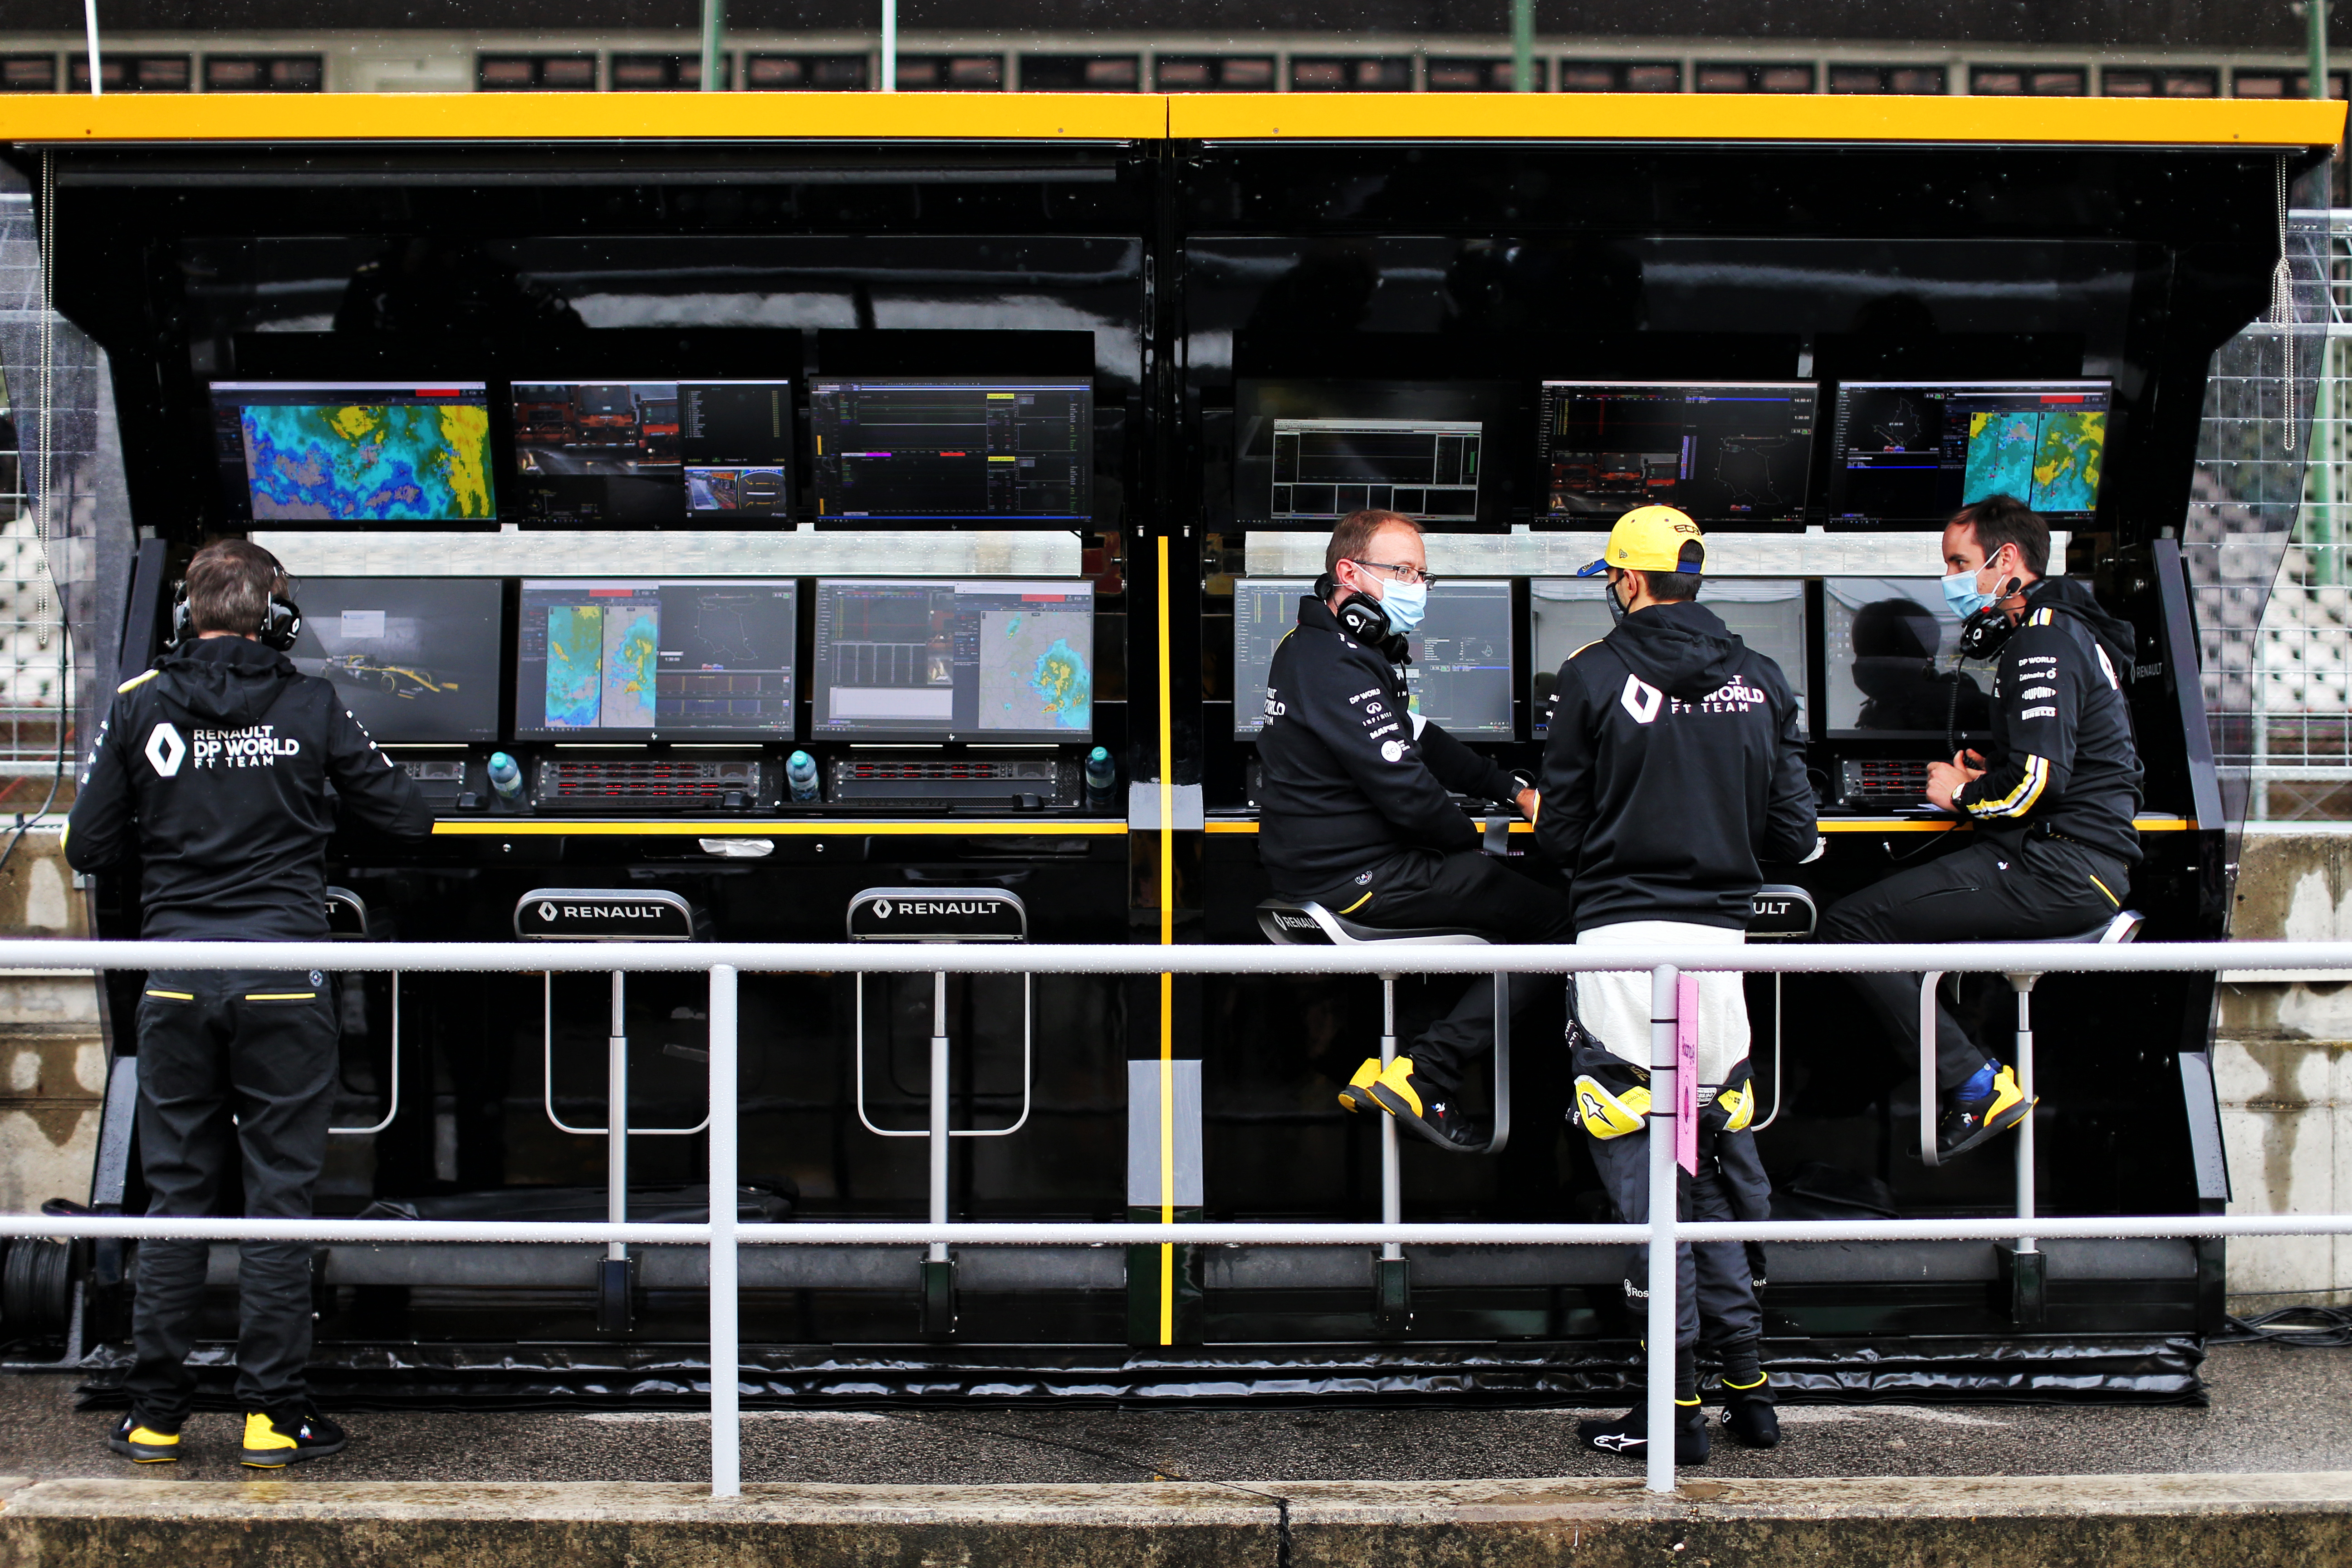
x: 1986, y: 1522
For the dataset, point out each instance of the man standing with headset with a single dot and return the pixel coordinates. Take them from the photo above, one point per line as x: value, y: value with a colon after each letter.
x: 221, y: 771
x: 1354, y: 813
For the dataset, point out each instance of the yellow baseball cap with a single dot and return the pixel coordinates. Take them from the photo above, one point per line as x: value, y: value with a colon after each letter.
x: 1652, y: 539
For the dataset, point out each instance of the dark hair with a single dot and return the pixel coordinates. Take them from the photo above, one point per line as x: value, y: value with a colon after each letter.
x: 1353, y: 536
x: 230, y: 582
x: 1996, y: 520
x: 1667, y: 588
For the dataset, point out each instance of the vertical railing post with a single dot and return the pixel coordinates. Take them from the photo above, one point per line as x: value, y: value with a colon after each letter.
x: 1665, y: 1200
x: 616, y: 1116
x: 726, y: 1359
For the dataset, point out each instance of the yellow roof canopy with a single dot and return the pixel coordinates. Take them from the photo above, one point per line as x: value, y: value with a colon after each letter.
x: 610, y: 117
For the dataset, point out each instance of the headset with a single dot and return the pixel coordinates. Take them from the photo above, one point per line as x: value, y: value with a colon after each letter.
x: 1985, y: 630
x: 1361, y: 618
x: 281, y: 624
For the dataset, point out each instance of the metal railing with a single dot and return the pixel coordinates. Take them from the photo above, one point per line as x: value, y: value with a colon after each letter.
x: 723, y: 1234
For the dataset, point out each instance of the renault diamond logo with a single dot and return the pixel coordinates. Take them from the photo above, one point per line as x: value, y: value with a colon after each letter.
x: 546, y: 910
x: 881, y: 909
x: 165, y: 750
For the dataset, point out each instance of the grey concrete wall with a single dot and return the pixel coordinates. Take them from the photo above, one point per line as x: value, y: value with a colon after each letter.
x: 52, y: 1056
x: 2283, y: 1069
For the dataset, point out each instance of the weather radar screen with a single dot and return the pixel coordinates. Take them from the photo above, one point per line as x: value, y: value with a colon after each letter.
x: 415, y: 659
x: 953, y: 449
x: 1721, y: 451
x: 643, y: 661
x: 1000, y: 662
x: 1919, y: 451
x: 353, y: 451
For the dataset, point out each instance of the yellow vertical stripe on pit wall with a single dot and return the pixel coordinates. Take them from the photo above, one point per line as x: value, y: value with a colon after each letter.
x: 1167, y: 981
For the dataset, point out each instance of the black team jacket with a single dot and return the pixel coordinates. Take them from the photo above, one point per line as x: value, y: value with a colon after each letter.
x: 2062, y: 762
x: 216, y: 769
x: 1349, y: 775
x: 1675, y: 763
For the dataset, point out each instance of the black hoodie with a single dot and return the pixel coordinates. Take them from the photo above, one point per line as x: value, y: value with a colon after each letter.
x: 2062, y: 760
x: 215, y: 768
x: 1675, y: 763
x: 1349, y: 773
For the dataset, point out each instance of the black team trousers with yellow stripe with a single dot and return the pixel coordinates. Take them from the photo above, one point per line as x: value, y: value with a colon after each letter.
x: 2004, y: 889
x: 236, y: 1067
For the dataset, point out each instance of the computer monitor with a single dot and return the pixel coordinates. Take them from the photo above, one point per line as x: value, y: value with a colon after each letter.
x: 1889, y: 662
x: 415, y: 659
x: 353, y: 451
x: 636, y: 660
x: 1307, y: 452
x: 620, y: 453
x: 1721, y: 451
x: 1916, y: 452
x: 1767, y: 614
x: 953, y: 449
x: 994, y: 662
x: 1461, y: 676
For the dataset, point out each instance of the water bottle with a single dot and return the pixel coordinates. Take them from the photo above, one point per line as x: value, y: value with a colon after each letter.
x: 800, y: 773
x: 1101, y: 773
x: 505, y: 778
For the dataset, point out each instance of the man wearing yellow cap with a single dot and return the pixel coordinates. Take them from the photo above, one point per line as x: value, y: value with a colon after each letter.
x: 1675, y: 765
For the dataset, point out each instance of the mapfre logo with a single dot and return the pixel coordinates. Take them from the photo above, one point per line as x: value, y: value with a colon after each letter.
x: 165, y: 750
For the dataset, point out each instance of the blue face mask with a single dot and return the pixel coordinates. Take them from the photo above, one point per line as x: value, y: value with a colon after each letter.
x: 1404, y: 603
x: 1961, y: 593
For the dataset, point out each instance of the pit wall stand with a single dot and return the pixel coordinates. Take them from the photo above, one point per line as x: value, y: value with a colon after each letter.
x: 941, y: 915
x: 2024, y: 1266
x: 599, y: 915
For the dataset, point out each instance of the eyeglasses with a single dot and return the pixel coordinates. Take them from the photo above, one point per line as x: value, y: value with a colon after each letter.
x: 1404, y: 573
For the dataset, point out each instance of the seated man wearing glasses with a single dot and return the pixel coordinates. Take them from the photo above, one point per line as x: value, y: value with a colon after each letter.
x: 1354, y: 814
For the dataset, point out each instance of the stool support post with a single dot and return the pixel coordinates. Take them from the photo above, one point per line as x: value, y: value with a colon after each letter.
x: 1665, y: 1201
x: 616, y: 1115
x: 2025, y: 1063
x: 938, y: 1140
x: 1391, y: 1165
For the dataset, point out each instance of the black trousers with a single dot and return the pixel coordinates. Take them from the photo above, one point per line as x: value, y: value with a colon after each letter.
x: 1715, y: 1281
x: 258, y: 1047
x: 1988, y: 891
x: 1477, y: 893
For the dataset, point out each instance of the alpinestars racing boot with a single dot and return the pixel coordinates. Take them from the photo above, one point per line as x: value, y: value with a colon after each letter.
x: 1989, y: 1104
x: 1748, y: 1418
x: 146, y: 1439
x: 273, y: 1442
x: 1629, y: 1434
x: 1439, y: 1119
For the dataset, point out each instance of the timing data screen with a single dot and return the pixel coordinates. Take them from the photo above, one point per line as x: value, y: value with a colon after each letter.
x: 988, y: 661
x: 953, y: 449
x: 646, y: 660
x: 591, y: 453
x: 1461, y: 676
x: 1767, y: 614
x: 1919, y: 451
x: 1425, y: 469
x: 415, y: 659
x: 354, y: 451
x: 1723, y: 452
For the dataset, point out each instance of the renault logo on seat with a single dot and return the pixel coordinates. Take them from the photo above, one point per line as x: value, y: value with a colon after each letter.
x: 546, y: 910
x: 881, y: 909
